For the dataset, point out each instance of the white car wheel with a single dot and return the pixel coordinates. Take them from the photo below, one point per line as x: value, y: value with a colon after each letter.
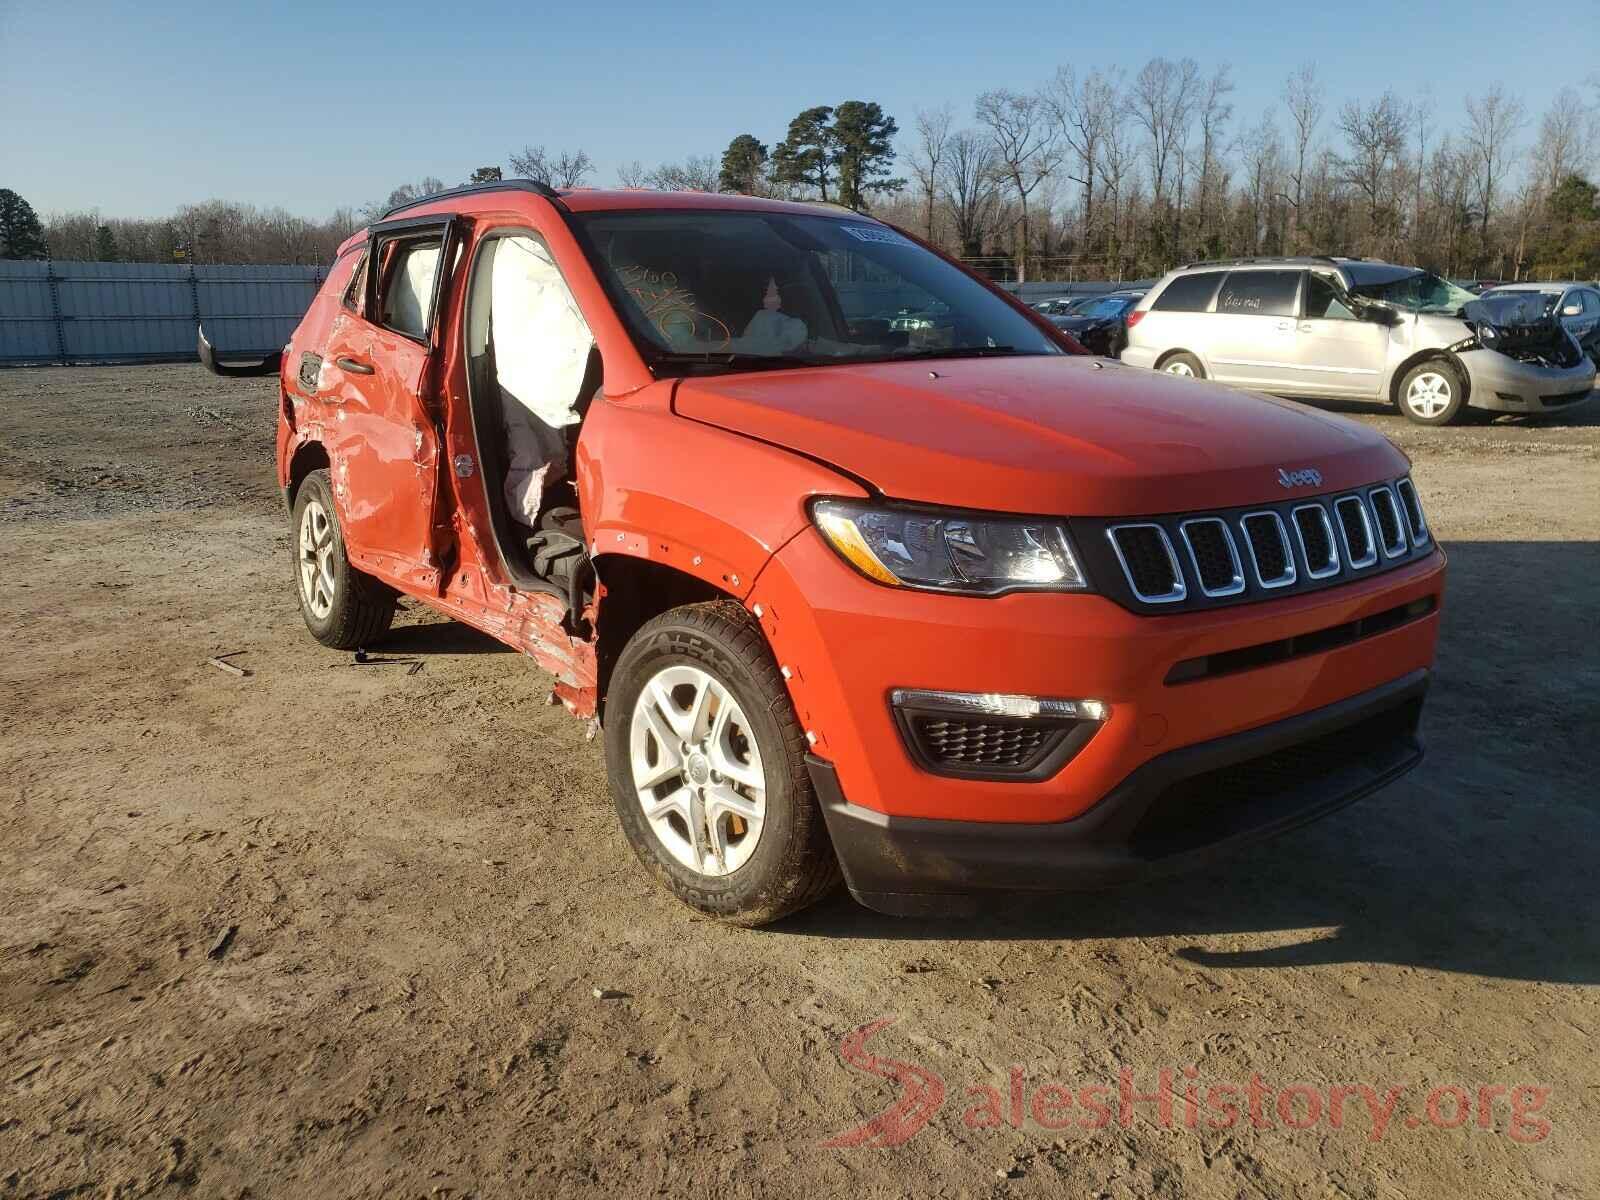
x: 708, y: 767
x: 697, y: 770
x: 343, y: 607
x: 318, y: 582
x: 1432, y: 393
x: 1429, y: 395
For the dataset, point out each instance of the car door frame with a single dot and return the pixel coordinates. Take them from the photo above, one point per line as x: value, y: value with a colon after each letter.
x: 384, y: 443
x: 1253, y: 350
x: 1338, y: 357
x: 490, y: 524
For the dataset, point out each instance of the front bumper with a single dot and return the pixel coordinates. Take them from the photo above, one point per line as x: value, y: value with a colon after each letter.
x: 1504, y: 384
x: 846, y: 644
x: 1176, y: 811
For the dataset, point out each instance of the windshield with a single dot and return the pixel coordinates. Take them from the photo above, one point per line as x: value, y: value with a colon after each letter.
x: 1421, y: 292
x: 1106, y: 306
x: 745, y: 290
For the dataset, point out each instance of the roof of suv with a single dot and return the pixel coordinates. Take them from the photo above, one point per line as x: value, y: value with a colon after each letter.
x: 610, y: 199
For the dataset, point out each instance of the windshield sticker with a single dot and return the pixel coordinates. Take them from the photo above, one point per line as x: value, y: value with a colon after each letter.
x: 875, y: 233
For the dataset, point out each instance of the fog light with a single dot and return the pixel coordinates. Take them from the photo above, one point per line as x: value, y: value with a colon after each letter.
x: 993, y: 735
x: 996, y: 704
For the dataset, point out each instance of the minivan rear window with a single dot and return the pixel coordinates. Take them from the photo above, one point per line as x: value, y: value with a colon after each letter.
x: 1259, y: 294
x: 1188, y: 293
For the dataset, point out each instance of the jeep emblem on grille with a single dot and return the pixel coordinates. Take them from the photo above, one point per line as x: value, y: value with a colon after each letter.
x: 1303, y: 478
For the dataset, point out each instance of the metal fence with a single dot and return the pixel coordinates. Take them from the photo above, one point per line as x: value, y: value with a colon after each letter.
x: 94, y: 312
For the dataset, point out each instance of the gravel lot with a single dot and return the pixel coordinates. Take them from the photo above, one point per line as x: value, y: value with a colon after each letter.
x: 425, y: 883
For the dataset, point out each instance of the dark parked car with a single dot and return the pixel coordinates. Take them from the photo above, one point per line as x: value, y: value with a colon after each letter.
x: 1101, y: 323
x: 1063, y: 306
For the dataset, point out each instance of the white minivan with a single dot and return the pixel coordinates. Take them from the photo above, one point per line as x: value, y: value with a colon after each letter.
x: 1356, y: 328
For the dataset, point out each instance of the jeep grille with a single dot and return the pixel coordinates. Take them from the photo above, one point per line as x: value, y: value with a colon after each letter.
x: 1196, y: 560
x: 1148, y: 561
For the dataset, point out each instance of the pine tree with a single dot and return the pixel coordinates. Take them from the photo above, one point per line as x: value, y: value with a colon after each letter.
x: 21, y: 235
x: 105, y: 244
x: 864, y: 136
x: 806, y: 156
x: 742, y: 164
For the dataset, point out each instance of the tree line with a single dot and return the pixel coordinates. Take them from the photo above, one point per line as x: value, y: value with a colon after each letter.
x: 1111, y: 175
x: 1102, y: 173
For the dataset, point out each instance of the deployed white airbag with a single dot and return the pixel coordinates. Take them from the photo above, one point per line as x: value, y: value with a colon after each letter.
x: 412, y: 291
x: 541, y: 350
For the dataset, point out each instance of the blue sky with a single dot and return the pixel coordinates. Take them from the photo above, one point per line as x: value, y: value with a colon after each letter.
x: 135, y: 108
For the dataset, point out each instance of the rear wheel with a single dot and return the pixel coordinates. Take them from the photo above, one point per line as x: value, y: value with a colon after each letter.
x: 707, y: 768
x: 1185, y: 365
x: 1431, y: 393
x: 343, y: 607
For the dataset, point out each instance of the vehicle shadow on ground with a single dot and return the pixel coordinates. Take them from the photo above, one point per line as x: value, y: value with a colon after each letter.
x: 1465, y: 865
x: 438, y: 637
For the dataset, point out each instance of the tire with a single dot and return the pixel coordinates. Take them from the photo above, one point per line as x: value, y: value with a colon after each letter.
x: 344, y: 608
x: 1432, y: 393
x: 697, y: 838
x: 1182, y: 364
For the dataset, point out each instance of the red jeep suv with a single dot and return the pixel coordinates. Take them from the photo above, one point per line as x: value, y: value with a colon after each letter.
x: 865, y: 567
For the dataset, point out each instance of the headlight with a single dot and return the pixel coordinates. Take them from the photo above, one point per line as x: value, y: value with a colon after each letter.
x: 950, y: 551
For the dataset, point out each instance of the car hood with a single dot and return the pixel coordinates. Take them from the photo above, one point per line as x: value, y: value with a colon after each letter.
x: 1435, y: 329
x: 1065, y: 434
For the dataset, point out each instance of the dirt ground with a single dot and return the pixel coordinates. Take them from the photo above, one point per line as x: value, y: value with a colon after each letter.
x: 425, y: 884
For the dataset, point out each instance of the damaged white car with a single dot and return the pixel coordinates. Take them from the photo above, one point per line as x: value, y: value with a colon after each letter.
x: 1348, y: 327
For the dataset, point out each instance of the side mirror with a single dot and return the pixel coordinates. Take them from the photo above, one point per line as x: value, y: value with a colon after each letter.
x: 1572, y: 310
x: 1380, y: 315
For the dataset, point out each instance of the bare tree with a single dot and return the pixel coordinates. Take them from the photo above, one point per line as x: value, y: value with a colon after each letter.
x: 1025, y: 151
x: 1116, y: 169
x: 1263, y: 163
x: 1421, y: 117
x: 1568, y: 132
x: 1215, y: 112
x: 632, y: 175
x: 1302, y: 95
x: 1450, y: 175
x: 697, y: 173
x: 216, y: 231
x: 971, y: 188
x: 1376, y: 134
x: 1493, y: 120
x: 1083, y: 111
x: 404, y: 194
x: 568, y: 169
x: 1162, y: 101
x: 933, y: 139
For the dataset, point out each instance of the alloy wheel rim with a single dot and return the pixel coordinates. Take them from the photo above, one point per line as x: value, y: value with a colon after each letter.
x: 697, y: 770
x: 317, y: 582
x: 1428, y: 394
x: 1180, y: 368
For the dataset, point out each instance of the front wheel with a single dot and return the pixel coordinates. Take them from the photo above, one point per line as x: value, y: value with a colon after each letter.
x: 707, y: 768
x: 1432, y: 394
x: 343, y: 607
